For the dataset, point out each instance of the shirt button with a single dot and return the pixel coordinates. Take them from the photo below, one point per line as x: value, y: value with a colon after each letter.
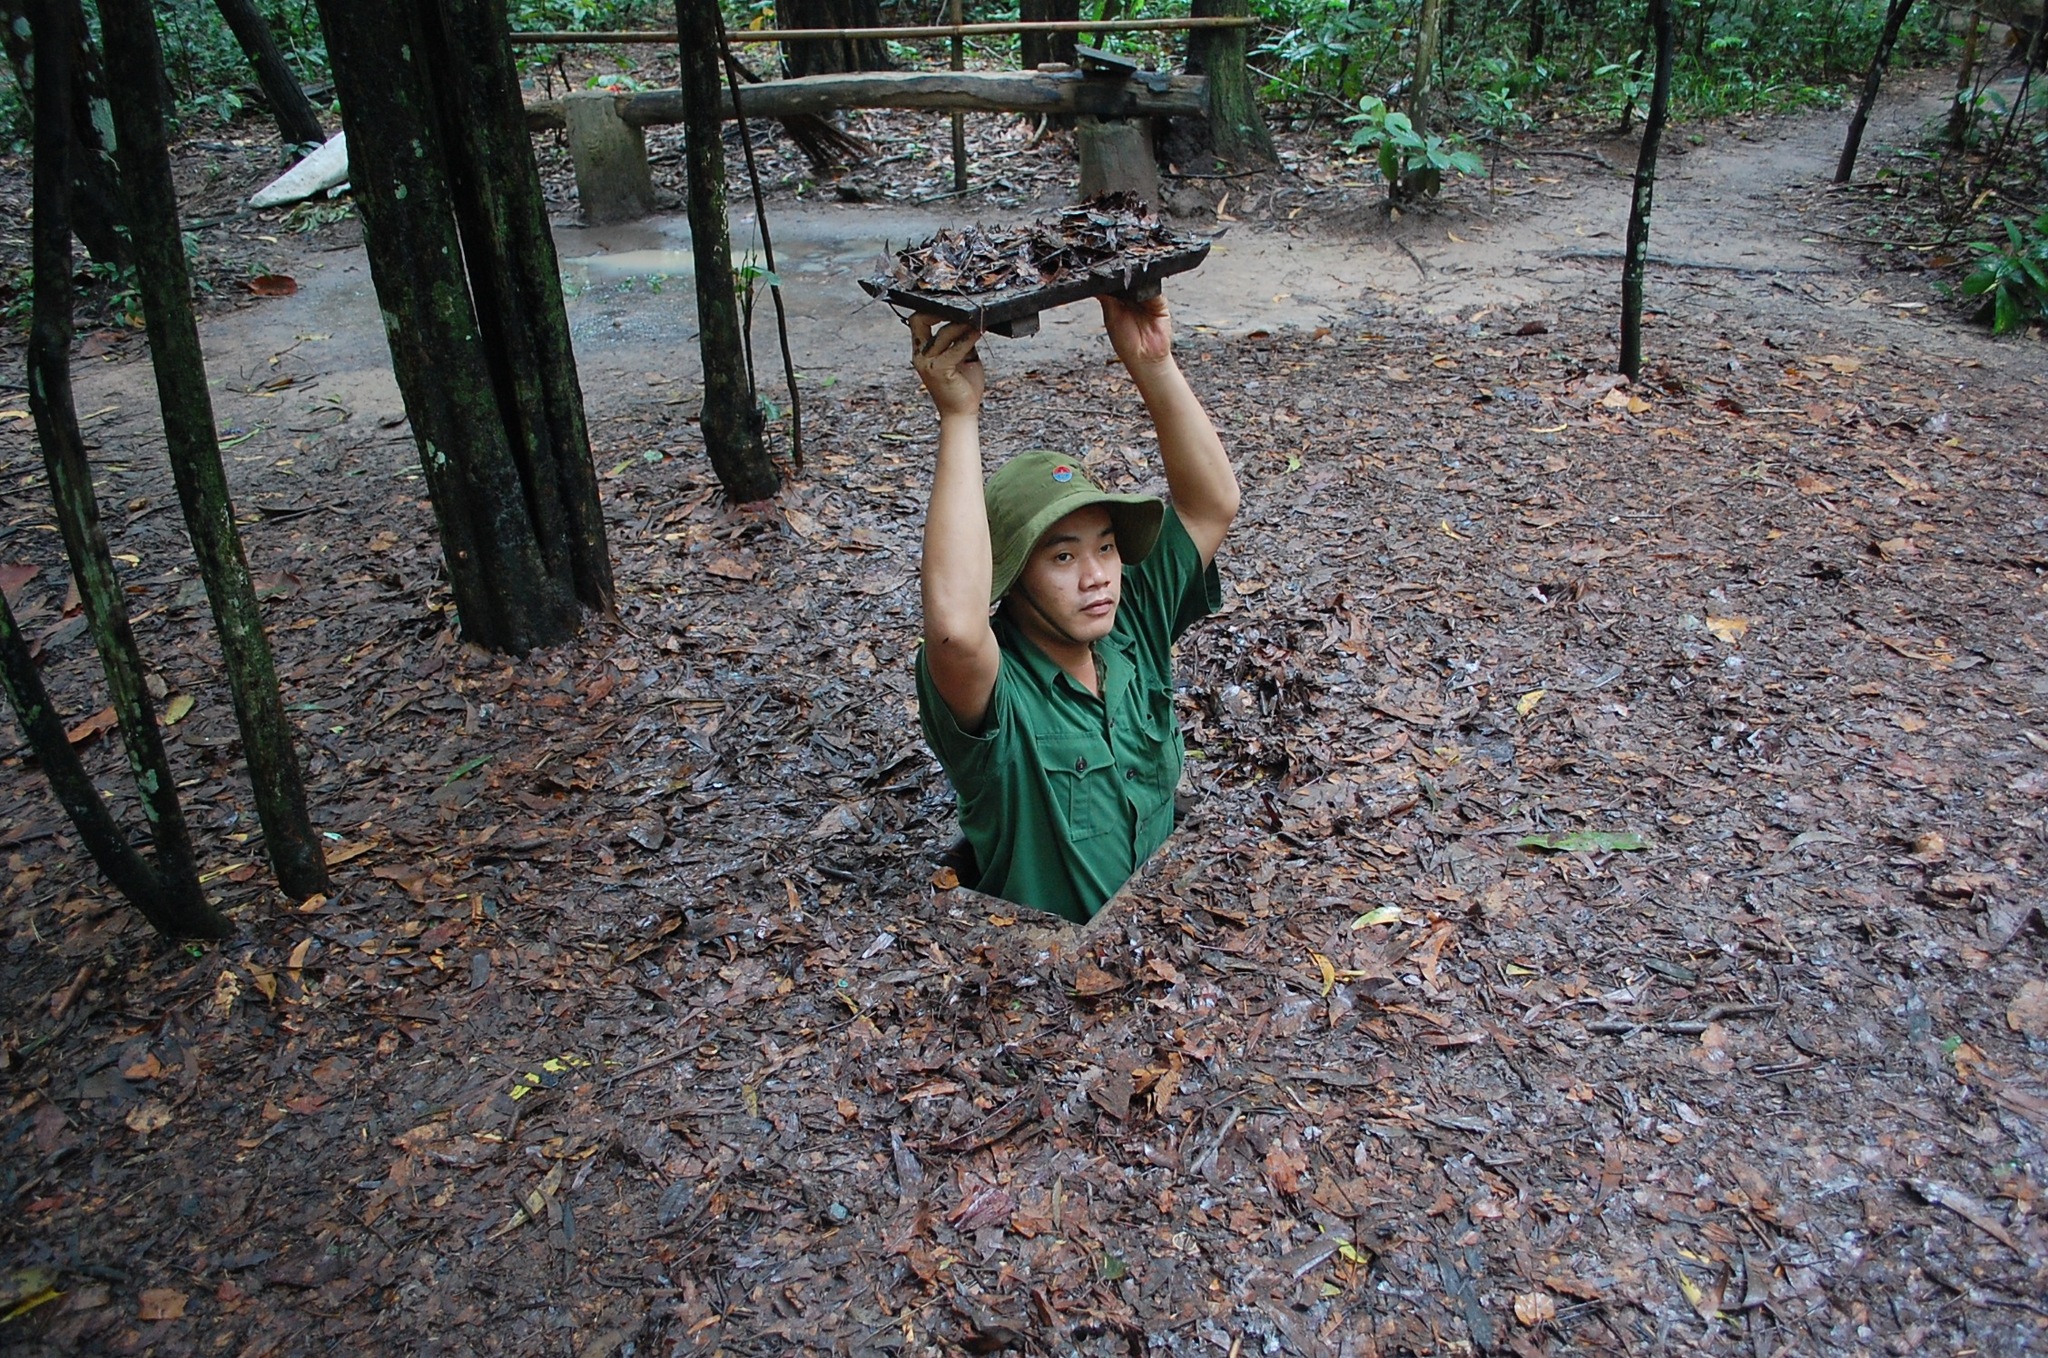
x: 1081, y: 764
x: 1131, y: 775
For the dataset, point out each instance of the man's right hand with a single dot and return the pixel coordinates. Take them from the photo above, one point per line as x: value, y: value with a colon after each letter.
x: 946, y: 362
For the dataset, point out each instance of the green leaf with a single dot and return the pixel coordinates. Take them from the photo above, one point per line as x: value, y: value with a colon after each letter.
x: 1585, y: 841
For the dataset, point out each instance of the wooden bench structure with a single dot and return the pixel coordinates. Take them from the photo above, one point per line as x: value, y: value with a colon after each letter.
x: 1114, y: 104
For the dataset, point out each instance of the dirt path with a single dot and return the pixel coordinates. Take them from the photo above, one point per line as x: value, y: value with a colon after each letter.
x: 637, y: 1021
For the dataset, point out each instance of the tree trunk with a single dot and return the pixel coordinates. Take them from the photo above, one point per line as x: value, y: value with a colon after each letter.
x: 823, y: 57
x: 1636, y: 254
x: 1966, y: 78
x: 297, y: 123
x: 1532, y: 47
x: 130, y: 873
x: 133, y: 59
x: 516, y: 281
x: 1894, y: 20
x: 178, y: 907
x: 1429, y: 39
x: 1236, y: 132
x: 1035, y: 49
x: 407, y: 138
x: 731, y: 418
x: 95, y: 191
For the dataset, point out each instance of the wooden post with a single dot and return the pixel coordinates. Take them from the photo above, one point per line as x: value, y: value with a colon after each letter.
x: 610, y: 159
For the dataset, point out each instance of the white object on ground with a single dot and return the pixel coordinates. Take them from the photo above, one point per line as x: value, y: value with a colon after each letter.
x: 325, y: 169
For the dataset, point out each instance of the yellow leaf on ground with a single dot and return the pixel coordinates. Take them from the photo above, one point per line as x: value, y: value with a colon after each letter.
x: 177, y: 709
x: 1328, y: 969
x: 1526, y: 704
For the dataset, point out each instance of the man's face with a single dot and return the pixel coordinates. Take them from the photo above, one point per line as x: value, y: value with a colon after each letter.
x: 1073, y: 582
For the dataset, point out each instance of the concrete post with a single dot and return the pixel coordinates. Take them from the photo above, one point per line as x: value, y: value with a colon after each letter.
x: 1117, y: 155
x: 612, y: 181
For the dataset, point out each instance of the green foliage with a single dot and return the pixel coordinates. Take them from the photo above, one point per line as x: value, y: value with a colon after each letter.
x: 1411, y: 162
x: 1733, y: 55
x: 2013, y: 276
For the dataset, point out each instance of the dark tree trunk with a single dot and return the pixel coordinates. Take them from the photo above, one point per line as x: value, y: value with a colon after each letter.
x: 130, y: 873
x: 1894, y: 20
x: 178, y: 906
x: 133, y: 59
x: 516, y: 281
x: 731, y: 418
x: 821, y: 56
x: 1236, y: 132
x: 1636, y: 253
x: 95, y: 190
x: 518, y: 526
x: 297, y: 123
x: 1035, y: 49
x: 1532, y: 48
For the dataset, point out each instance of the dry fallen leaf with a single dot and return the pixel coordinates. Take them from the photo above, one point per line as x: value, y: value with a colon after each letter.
x: 151, y: 1115
x: 1730, y: 630
x: 1535, y: 1308
x: 2028, y: 1012
x: 161, y: 1303
x: 1091, y: 980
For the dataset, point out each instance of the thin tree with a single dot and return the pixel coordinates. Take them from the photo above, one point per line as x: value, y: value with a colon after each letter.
x: 1636, y: 253
x: 95, y: 190
x: 174, y: 902
x: 466, y: 275
x: 1429, y: 38
x: 134, y: 58
x: 128, y: 870
x: 1961, y: 111
x: 1237, y: 133
x: 1894, y: 20
x: 731, y: 417
x: 293, y: 112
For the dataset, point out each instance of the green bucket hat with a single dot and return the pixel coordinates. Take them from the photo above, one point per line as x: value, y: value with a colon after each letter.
x: 1033, y: 491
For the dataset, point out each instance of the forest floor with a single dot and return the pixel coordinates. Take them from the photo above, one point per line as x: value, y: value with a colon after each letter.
x: 1609, y: 917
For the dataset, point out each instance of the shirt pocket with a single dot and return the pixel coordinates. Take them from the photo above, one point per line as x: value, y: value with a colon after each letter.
x: 1082, y: 776
x: 1156, y: 769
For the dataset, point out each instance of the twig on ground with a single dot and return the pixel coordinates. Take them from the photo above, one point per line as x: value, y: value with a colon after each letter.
x: 1614, y: 257
x: 1602, y: 161
x: 1682, y: 1027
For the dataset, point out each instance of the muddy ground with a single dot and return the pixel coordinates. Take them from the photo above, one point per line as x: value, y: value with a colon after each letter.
x: 638, y: 1024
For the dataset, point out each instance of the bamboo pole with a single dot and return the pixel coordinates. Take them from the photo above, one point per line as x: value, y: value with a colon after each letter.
x: 617, y: 37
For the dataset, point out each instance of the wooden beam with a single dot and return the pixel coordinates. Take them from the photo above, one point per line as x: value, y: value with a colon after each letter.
x: 1064, y: 92
x: 615, y: 38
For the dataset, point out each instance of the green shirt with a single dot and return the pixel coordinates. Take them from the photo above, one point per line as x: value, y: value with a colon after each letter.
x: 1064, y: 794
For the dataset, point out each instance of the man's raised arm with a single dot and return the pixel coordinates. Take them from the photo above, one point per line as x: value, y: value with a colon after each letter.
x: 1198, y: 471
x: 959, y: 645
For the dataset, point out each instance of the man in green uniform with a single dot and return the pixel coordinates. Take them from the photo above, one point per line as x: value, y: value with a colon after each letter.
x: 1052, y: 712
